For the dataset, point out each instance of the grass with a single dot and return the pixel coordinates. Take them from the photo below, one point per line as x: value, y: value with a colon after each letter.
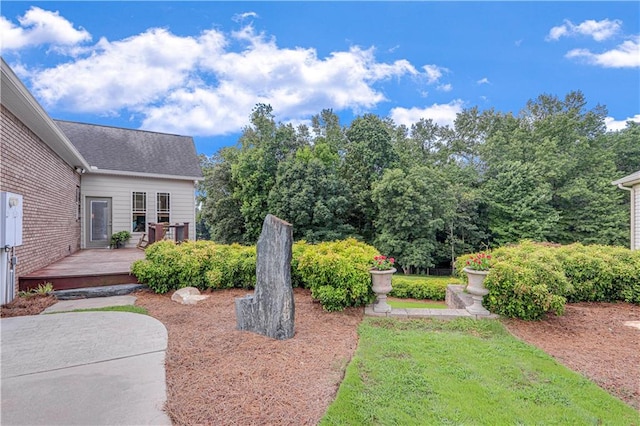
x: 125, y: 308
x: 469, y: 372
x: 403, y: 304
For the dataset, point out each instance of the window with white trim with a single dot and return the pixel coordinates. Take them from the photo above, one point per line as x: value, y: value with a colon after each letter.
x: 163, y: 203
x: 139, y: 211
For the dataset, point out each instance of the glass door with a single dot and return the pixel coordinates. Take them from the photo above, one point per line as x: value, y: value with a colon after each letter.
x: 98, y: 223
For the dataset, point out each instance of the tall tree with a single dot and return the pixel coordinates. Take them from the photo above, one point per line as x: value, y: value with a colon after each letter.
x: 413, y: 207
x: 220, y: 209
x: 310, y: 195
x: 368, y: 154
x: 519, y: 204
x: 262, y: 146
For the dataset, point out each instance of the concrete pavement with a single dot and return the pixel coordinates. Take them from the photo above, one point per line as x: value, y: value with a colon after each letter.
x: 83, y: 368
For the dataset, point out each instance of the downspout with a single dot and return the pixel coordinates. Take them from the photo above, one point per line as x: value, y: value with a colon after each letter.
x: 633, y: 215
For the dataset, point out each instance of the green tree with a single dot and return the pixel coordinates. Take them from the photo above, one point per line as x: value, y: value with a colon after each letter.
x: 220, y: 210
x: 262, y: 146
x: 519, y: 203
x: 311, y: 196
x: 413, y: 207
x: 625, y: 144
x: 369, y: 153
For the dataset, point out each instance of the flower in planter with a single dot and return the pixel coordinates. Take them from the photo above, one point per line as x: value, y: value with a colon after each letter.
x: 479, y: 262
x: 383, y: 263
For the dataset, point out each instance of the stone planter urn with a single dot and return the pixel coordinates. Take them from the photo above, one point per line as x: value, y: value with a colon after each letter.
x: 381, y: 287
x: 477, y: 290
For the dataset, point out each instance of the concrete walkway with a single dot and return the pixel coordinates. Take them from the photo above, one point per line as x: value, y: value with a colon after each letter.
x: 83, y: 368
x: 92, y: 303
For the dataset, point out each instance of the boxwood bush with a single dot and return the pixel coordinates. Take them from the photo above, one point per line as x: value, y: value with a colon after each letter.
x: 420, y: 287
x: 529, y: 279
x: 336, y: 272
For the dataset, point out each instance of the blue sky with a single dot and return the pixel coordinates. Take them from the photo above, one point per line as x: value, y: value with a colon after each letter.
x: 198, y: 68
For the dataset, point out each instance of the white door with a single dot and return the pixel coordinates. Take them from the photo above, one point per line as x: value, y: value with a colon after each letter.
x: 98, y: 223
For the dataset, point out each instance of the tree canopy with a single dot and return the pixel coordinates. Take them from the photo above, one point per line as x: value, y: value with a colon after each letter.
x: 426, y: 193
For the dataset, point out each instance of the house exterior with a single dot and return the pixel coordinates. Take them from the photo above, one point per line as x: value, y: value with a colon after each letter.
x: 38, y: 162
x: 631, y: 183
x: 134, y: 178
x: 81, y: 182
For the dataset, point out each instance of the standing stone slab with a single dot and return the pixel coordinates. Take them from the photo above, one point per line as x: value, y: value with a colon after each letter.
x: 270, y: 310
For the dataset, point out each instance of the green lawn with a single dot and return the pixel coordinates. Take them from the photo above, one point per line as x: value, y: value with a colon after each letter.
x: 401, y: 304
x: 125, y: 308
x: 463, y: 372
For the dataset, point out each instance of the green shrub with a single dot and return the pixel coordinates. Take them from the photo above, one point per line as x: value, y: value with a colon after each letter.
x: 515, y: 291
x: 232, y: 266
x: 336, y: 272
x: 200, y: 264
x: 158, y: 269
x: 601, y: 273
x: 420, y: 287
x: 529, y: 279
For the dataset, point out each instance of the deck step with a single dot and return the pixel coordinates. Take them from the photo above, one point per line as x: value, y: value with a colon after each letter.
x: 65, y: 282
x: 102, y: 291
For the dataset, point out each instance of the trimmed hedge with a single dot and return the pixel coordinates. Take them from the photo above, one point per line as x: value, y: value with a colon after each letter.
x: 529, y: 279
x: 336, y: 272
x: 420, y: 287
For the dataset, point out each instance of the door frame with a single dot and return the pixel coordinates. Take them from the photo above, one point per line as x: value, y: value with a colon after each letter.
x: 88, y: 243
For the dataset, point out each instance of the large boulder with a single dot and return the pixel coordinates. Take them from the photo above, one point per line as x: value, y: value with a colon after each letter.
x: 270, y: 310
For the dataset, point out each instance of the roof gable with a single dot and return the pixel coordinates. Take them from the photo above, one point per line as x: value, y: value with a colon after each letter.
x: 630, y: 180
x: 134, y: 151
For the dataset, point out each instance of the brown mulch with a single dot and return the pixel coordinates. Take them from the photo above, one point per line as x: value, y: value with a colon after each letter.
x: 21, y: 306
x: 218, y: 375
x: 591, y: 338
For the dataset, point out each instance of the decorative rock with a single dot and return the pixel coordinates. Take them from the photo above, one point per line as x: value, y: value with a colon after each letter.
x: 270, y: 310
x: 187, y: 296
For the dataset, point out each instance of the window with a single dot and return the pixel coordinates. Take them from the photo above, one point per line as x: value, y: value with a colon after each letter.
x: 164, y: 207
x: 139, y: 208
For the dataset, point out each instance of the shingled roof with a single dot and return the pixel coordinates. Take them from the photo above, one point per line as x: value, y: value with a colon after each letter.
x: 136, y: 151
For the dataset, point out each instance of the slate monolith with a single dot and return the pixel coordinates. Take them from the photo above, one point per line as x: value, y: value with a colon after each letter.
x: 270, y: 310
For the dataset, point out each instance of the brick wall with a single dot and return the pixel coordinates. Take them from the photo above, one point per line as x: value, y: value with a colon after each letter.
x: 48, y: 186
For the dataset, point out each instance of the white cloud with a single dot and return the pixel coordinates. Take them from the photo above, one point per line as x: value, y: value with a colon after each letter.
x: 39, y: 27
x: 124, y: 74
x: 483, y: 80
x: 626, y: 55
x: 434, y: 73
x: 442, y: 114
x: 614, y: 125
x: 599, y: 30
x: 239, y: 17
x: 199, y: 85
x: 445, y: 87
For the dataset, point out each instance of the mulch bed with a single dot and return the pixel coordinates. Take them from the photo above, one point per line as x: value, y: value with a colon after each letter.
x: 222, y: 376
x: 219, y: 375
x: 21, y: 306
x: 592, y: 339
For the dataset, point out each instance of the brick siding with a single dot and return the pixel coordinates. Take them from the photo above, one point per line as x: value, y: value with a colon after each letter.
x: 48, y: 186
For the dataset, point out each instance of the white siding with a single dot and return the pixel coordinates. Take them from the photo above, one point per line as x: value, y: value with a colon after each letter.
x: 120, y: 189
x: 635, y: 217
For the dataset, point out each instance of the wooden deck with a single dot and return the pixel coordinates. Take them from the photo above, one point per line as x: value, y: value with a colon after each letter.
x: 86, y: 268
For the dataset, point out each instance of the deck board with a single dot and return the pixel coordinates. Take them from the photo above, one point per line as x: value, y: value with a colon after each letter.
x: 86, y: 268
